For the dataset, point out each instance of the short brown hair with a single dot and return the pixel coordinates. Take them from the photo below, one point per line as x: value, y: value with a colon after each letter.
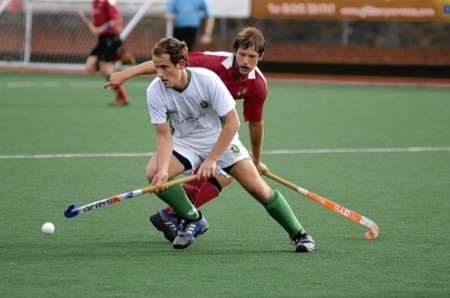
x: 177, y: 50
x: 249, y: 37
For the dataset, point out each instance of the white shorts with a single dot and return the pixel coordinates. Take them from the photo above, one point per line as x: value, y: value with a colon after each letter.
x: 196, y: 151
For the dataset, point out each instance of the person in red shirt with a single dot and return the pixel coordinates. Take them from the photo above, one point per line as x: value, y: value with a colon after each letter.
x: 239, y: 72
x: 106, y: 23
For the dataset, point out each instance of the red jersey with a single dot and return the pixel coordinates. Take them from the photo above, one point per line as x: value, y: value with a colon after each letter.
x: 104, y: 11
x: 253, y: 88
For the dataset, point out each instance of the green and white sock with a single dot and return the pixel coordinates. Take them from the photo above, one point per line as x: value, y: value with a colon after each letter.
x: 178, y: 200
x: 281, y: 212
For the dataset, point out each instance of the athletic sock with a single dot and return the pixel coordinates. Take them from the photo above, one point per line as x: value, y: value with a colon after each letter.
x: 177, y: 199
x: 192, y: 188
x: 281, y: 212
x: 121, y: 94
x: 200, y: 192
x: 209, y: 190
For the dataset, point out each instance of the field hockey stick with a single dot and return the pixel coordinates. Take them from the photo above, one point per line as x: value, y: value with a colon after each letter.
x: 83, y: 16
x: 373, y: 230
x: 86, y: 21
x: 71, y: 211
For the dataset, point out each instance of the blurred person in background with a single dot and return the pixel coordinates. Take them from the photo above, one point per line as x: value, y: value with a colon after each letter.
x: 106, y: 23
x: 14, y: 6
x: 187, y: 16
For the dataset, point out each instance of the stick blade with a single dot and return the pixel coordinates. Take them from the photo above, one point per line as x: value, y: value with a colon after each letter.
x: 71, y: 211
x: 372, y: 233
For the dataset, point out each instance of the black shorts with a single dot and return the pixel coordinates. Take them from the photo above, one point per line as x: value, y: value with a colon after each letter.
x: 107, y: 48
x: 186, y: 34
x: 184, y: 161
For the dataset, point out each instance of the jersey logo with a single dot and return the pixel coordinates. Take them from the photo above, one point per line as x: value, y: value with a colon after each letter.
x: 171, y: 116
x: 204, y: 104
x: 171, y: 113
x: 241, y: 92
x: 235, y: 149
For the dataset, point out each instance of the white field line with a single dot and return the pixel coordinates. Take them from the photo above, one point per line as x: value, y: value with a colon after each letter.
x: 269, y: 152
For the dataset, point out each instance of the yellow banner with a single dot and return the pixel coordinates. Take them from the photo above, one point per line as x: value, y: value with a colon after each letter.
x: 376, y: 10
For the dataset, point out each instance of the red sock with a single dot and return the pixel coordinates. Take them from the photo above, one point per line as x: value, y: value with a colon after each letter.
x: 206, y: 193
x: 121, y: 94
x: 193, y: 188
x: 199, y: 192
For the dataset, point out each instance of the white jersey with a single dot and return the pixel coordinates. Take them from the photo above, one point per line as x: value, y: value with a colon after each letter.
x: 194, y: 115
x: 195, y: 111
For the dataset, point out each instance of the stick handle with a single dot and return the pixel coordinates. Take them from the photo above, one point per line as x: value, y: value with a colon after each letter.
x: 285, y: 182
x: 170, y: 183
x: 373, y: 231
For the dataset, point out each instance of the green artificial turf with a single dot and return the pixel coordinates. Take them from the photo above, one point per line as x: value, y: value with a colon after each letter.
x: 114, y: 252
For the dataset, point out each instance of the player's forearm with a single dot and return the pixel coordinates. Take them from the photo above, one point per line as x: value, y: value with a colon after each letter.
x: 209, y: 26
x: 87, y: 21
x: 224, y: 140
x: 91, y: 27
x: 256, y: 130
x: 227, y: 134
x: 164, y: 150
x: 114, y: 23
x: 119, y: 77
x: 140, y: 69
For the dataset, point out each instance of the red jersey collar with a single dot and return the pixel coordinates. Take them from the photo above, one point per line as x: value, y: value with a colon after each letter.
x: 228, y: 63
